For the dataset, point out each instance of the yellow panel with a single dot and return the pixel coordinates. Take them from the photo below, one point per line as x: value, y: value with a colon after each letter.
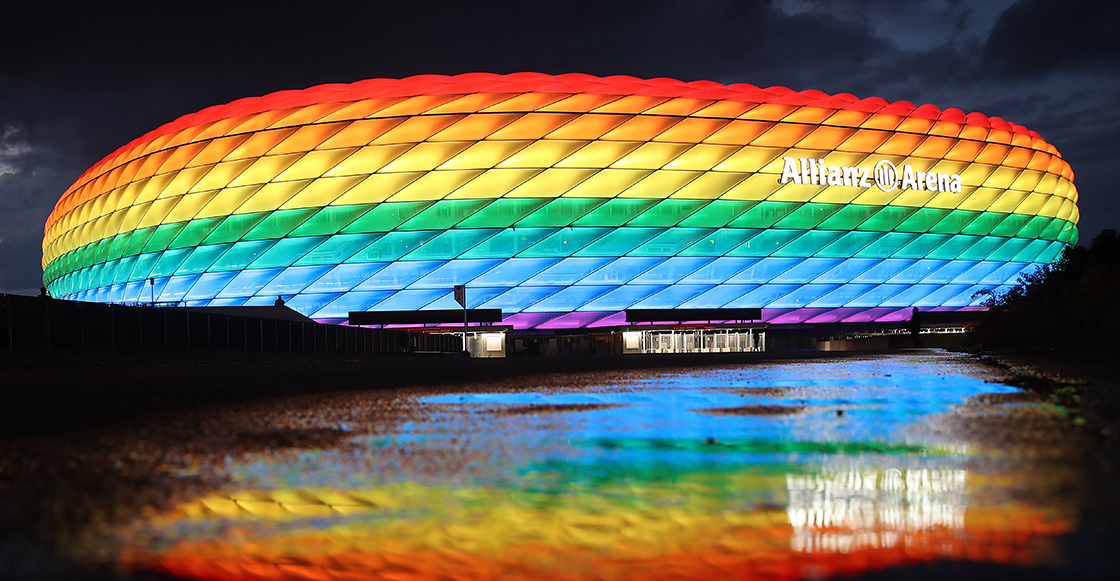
x: 900, y: 144
x: 607, y: 183
x: 221, y: 175
x: 792, y: 192
x: 550, y: 183
x: 1047, y: 184
x: 376, y: 188
x: 758, y: 186
x: 265, y: 169
x: 1001, y: 178
x: 307, y: 138
x: 710, y: 185
x: 434, y: 185
x: 130, y: 192
x: 944, y: 200
x: 590, y: 126
x: 631, y: 104
x: 361, y: 132
x: 188, y: 206
x: 1067, y: 212
x: 917, y: 198
x: 180, y: 157
x: 416, y: 129
x: 218, y: 149
x: 641, y: 128
x: 812, y: 115
x: 692, y: 130
x: 368, y: 159
x: 739, y: 132
x: 183, y: 181
x: 425, y: 156
x: 974, y: 132
x: 540, y: 154
x: 825, y: 138
x: 702, y: 157
x: 1032, y: 204
x: 526, y: 102
x: 751, y: 159
x: 226, y: 201
x: 271, y: 196
x: 993, y: 153
x: 475, y: 127
x: 679, y: 106
x: 494, y: 183
x: 976, y: 173
x: 321, y: 192
x: 314, y: 164
x: 1027, y: 181
x: 113, y: 222
x: 769, y: 112
x: 979, y: 200
x: 725, y: 109
x: 950, y: 167
x: 650, y: 155
x: 360, y: 109
x: 133, y: 215
x: 157, y: 210
x: 660, y: 184
x: 416, y: 105
x: 875, y: 197
x: 598, y: 154
x: 934, y: 147
x: 782, y: 135
x: 259, y: 143
x: 945, y: 129
x: 915, y: 125
x: 484, y: 154
x: 837, y: 195
x: 581, y: 103
x: 1006, y: 202
x: 533, y: 126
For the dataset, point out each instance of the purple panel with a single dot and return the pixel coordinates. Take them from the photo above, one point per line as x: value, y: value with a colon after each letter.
x: 902, y: 314
x: 798, y: 316
x: 835, y: 315
x: 572, y: 320
x: 527, y: 320
x: 611, y: 320
x: 867, y: 315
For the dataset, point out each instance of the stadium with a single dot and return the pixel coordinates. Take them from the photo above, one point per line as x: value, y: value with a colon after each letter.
x: 564, y: 202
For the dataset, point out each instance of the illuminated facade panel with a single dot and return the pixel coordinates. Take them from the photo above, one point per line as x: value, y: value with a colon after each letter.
x: 564, y: 200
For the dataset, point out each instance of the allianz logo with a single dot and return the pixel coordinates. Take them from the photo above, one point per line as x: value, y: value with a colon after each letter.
x: 885, y: 175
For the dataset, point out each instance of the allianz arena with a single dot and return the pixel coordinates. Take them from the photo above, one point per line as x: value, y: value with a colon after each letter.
x: 565, y: 200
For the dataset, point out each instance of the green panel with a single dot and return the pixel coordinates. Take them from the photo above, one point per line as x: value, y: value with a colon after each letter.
x: 1034, y: 227
x: 619, y: 241
x: 564, y: 242
x: 194, y: 232
x: 956, y: 221
x: 1073, y: 237
x: 443, y: 214
x: 982, y: 248
x: 886, y: 245
x: 169, y: 262
x: 764, y: 214
x: 163, y: 236
x: 1069, y: 233
x: 668, y: 213
x: 97, y: 251
x: 451, y: 244
x: 766, y: 243
x: 1053, y: 229
x: 982, y: 225
x: 234, y: 227
x: 119, y: 244
x: 561, y: 212
x: 242, y: 254
x: 848, y: 217
x: 287, y: 251
x: 1032, y: 251
x: 337, y: 249
x: 1011, y: 225
x: 717, y: 214
x: 331, y: 220
x: 719, y: 242
x: 921, y: 246
x: 508, y: 243
x: 887, y: 218
x: 124, y: 269
x: 393, y: 246
x: 503, y: 212
x: 201, y: 258
x: 1052, y: 252
x: 672, y: 242
x: 809, y: 243
x: 615, y: 212
x: 1009, y: 249
x: 384, y: 217
x: 142, y: 268
x: 808, y: 216
x: 102, y: 274
x: 954, y: 247
x: 923, y: 220
x: 279, y: 223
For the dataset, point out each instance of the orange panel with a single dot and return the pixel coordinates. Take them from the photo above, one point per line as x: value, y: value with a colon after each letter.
x: 825, y: 138
x: 631, y: 104
x: 360, y: 109
x: 900, y: 144
x: 259, y: 144
x: 847, y: 118
x: 533, y: 126
x: 307, y: 138
x: 964, y: 150
x: 882, y: 121
x: 641, y: 128
x: 691, y: 130
x: 946, y: 129
x: 177, y: 160
x: 471, y: 103
x: 416, y: 129
x: 218, y: 149
x: 1018, y: 157
x: 814, y: 115
x: 360, y: 133
x: 309, y: 114
x: 739, y: 132
x: 769, y: 112
x: 581, y: 103
x: 999, y: 136
x: 934, y: 147
x: 915, y: 125
x: 993, y: 154
x: 783, y: 135
x: 475, y: 127
x: 725, y: 109
x: 415, y: 105
x: 864, y: 141
x: 679, y: 106
x: 525, y: 102
x: 974, y: 132
x: 590, y: 126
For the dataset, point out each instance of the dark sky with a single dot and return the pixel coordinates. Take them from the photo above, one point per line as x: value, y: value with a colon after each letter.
x: 77, y: 83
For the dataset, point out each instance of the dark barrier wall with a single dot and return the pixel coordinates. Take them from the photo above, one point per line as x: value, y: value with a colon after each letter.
x: 40, y: 324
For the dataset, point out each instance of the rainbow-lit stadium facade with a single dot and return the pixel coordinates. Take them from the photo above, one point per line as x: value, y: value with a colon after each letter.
x: 565, y: 200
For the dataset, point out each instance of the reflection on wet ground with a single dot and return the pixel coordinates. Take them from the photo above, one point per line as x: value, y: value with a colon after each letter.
x: 790, y: 470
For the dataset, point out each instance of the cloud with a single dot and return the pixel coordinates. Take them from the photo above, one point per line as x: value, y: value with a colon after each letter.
x: 1039, y: 37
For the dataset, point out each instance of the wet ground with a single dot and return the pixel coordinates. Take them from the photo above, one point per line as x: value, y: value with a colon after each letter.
x: 918, y: 464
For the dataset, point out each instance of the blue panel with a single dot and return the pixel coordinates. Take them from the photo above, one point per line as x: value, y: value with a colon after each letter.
x: 1005, y: 274
x: 809, y: 269
x: 514, y: 271
x: 450, y: 244
x: 345, y: 277
x: 673, y: 241
x: 719, y: 296
x: 176, y: 288
x: 621, y: 298
x: 950, y: 270
x: 392, y: 246
x: 167, y: 263
x: 965, y: 299
x: 508, y: 242
x: 886, y: 245
x: 143, y: 266
x: 568, y: 271
x: 941, y: 296
x: 801, y: 297
x: 124, y: 269
x: 267, y: 301
x: 456, y: 272
x: 719, y: 242
x: 1051, y: 253
x: 134, y: 291
x: 911, y: 296
x: 883, y: 271
x: 475, y: 296
x: 841, y: 296
x: 978, y: 272
x: 242, y: 253
x: 672, y: 297
x: 619, y: 241
x: 294, y: 279
x: 209, y: 284
x: 764, y: 270
x: 201, y: 258
x: 398, y: 275
x: 249, y: 282
x: 1032, y: 251
x: 227, y: 302
x: 569, y: 299
x: 672, y: 270
x: 306, y: 304
x: 286, y: 251
x: 565, y: 242
x: 410, y: 300
x: 847, y: 270
x: 719, y: 270
x: 355, y: 301
x: 338, y: 248
x: 518, y: 298
x: 762, y: 296
x: 877, y: 295
x: 917, y: 272
x: 622, y: 270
